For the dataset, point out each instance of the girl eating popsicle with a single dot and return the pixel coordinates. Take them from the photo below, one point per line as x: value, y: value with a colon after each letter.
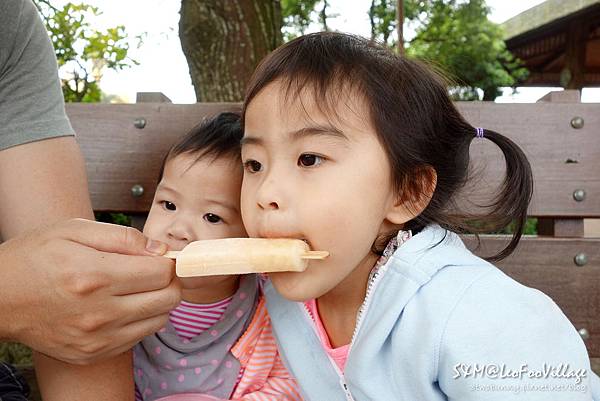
x: 361, y: 152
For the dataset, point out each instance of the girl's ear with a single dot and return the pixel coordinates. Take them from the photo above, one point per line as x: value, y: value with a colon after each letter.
x: 408, y: 205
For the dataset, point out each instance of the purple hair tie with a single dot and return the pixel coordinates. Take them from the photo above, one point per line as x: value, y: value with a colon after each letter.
x: 479, y: 132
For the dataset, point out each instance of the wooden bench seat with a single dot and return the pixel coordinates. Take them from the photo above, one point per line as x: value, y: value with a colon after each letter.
x: 124, y: 145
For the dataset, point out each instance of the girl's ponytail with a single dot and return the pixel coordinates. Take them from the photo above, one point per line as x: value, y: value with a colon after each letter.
x: 512, y: 202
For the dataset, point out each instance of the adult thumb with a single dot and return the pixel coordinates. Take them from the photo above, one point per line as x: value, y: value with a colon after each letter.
x: 110, y: 238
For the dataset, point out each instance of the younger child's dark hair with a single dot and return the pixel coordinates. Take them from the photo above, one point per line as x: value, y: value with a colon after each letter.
x: 414, y: 119
x: 216, y: 137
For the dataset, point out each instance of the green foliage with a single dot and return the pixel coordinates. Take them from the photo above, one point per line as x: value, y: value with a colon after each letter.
x: 299, y: 14
x: 530, y: 227
x: 114, y: 218
x: 454, y: 35
x: 83, y: 52
x: 382, y: 14
x: 15, y: 354
x: 459, y: 37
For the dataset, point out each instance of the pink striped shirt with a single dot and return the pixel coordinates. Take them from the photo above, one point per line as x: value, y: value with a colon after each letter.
x: 265, y: 378
x: 190, y: 320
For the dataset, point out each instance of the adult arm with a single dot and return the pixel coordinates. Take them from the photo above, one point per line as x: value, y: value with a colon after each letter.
x: 61, y: 295
x: 65, y: 293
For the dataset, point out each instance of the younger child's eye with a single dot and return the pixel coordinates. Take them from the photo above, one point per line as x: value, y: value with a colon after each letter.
x: 252, y: 166
x: 169, y: 205
x: 212, y: 218
x: 309, y: 160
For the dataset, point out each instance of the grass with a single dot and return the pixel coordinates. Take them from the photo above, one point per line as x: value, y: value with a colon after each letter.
x: 15, y: 354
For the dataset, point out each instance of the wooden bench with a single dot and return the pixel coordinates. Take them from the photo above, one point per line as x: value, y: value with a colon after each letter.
x: 124, y: 145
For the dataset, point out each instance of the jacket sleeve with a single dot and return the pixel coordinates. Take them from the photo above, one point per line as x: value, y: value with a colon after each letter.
x: 503, y: 340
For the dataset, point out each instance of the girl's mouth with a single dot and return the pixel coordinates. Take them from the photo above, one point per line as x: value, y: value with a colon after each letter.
x: 274, y: 234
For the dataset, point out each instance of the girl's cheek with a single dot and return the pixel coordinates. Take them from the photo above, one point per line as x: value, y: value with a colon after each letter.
x: 150, y: 228
x: 246, y: 210
x: 234, y: 231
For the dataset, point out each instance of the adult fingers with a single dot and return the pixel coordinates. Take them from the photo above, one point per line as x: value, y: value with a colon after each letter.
x: 132, y: 317
x: 132, y: 333
x: 136, y: 274
x: 145, y: 305
x: 121, y: 340
x: 109, y: 237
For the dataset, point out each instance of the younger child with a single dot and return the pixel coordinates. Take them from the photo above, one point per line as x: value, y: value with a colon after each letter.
x: 218, y: 341
x: 361, y: 153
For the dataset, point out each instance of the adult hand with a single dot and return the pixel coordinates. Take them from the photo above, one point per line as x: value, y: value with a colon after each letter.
x: 81, y: 291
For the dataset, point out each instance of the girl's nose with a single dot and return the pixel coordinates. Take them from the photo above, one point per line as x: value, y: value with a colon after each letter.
x: 267, y: 196
x: 270, y: 205
x: 180, y: 231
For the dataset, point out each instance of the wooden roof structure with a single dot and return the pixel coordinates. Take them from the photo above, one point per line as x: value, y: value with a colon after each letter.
x: 559, y: 42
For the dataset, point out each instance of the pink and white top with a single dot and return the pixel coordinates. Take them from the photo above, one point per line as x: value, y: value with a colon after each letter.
x: 262, y: 376
x: 190, y: 320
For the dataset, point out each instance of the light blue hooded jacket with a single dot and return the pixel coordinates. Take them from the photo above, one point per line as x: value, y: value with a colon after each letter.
x: 440, y: 323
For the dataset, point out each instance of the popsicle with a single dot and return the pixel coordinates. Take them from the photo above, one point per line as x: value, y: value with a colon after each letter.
x: 243, y: 255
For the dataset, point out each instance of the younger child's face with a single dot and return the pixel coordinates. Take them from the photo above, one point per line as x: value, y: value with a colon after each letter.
x: 309, y: 180
x: 197, y: 200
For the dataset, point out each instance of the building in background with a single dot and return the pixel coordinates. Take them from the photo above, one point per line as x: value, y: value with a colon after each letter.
x: 559, y: 41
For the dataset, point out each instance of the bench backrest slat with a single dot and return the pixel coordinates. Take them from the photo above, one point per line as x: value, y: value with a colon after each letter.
x: 563, y: 158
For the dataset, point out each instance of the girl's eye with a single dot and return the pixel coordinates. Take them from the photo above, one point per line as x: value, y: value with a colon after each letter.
x: 169, y: 205
x: 253, y: 166
x: 309, y: 160
x: 212, y: 218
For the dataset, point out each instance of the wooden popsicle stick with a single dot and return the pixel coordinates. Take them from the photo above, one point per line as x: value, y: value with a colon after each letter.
x: 171, y: 254
x: 317, y: 255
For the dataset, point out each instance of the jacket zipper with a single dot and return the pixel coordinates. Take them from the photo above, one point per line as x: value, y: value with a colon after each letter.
x: 367, y: 302
x: 342, y: 380
x: 359, y: 319
x: 370, y: 289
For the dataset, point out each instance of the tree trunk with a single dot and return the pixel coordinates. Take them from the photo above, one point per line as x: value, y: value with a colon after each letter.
x: 490, y: 94
x: 224, y: 40
x: 323, y: 16
x: 400, y: 25
x: 372, y: 19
